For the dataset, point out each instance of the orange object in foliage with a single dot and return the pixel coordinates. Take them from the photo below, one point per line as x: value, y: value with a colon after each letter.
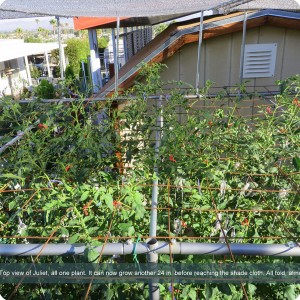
x: 85, y: 208
x: 42, y: 126
x: 245, y: 222
x: 183, y: 224
x: 68, y: 167
x: 296, y: 102
x: 269, y: 110
x: 117, y: 204
x: 171, y: 158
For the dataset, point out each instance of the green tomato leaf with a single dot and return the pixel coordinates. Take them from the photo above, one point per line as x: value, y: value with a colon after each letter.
x: 84, y: 195
x: 97, y: 194
x: 251, y: 288
x: 109, y: 201
x: 289, y: 292
x: 296, y: 163
x: 12, y: 176
x: 207, y: 291
x: 273, y: 170
x: 192, y: 294
x: 91, y: 254
x: 74, y: 238
x: 64, y: 231
x: 139, y: 211
x: 12, y: 205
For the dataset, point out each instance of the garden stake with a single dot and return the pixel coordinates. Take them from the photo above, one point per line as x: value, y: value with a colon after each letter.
x: 153, y: 258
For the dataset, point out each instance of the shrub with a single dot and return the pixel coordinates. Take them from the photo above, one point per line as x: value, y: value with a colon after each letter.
x: 209, y: 161
x: 45, y: 90
x: 76, y: 51
x: 35, y: 72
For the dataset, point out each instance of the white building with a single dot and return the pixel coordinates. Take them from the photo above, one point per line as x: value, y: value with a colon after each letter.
x: 14, y: 67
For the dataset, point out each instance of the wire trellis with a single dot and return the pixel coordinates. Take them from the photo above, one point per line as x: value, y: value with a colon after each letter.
x: 220, y: 196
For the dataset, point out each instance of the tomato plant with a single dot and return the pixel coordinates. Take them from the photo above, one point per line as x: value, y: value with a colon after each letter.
x: 84, y: 172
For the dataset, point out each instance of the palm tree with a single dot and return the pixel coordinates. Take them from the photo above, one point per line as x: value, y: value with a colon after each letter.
x: 53, y: 23
x: 41, y: 30
x: 66, y: 27
x: 37, y: 21
x: 19, y: 32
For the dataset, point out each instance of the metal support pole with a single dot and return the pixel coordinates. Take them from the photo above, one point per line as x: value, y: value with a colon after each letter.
x: 106, y: 64
x: 95, y: 61
x: 183, y: 248
x: 199, y: 52
x: 243, y: 46
x: 28, y: 70
x: 115, y: 54
x: 48, y: 65
x: 63, y: 59
x: 84, y: 75
x: 125, y: 45
x: 159, y: 125
x: 117, y: 57
x: 60, y: 48
x: 152, y: 258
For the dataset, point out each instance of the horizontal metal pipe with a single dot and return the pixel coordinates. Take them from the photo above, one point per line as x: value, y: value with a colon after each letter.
x: 195, y: 96
x: 16, y: 138
x: 292, y: 249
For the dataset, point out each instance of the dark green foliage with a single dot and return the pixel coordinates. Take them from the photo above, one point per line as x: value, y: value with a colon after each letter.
x: 69, y: 72
x: 35, y: 72
x: 74, y: 152
x: 33, y: 39
x: 77, y: 50
x: 103, y: 42
x: 45, y: 90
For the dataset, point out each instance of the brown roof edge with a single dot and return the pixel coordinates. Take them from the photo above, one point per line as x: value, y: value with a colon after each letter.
x: 191, y: 38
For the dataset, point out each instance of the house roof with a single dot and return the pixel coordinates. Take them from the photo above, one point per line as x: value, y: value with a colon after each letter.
x: 12, y: 49
x: 105, y: 22
x: 88, y: 22
x: 178, y: 35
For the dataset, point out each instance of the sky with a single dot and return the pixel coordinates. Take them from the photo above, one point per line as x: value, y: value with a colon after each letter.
x: 30, y: 23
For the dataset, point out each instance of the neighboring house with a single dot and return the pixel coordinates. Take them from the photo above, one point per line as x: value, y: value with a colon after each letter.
x: 271, y: 51
x: 14, y: 66
x: 132, y: 38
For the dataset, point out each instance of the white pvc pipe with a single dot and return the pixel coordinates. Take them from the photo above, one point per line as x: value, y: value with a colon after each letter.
x: 243, y: 47
x: 60, y: 49
x: 117, y: 57
x: 47, y: 64
x: 183, y: 248
x: 199, y: 52
x: 28, y: 70
x: 152, y: 259
x: 154, y: 198
x: 113, y: 35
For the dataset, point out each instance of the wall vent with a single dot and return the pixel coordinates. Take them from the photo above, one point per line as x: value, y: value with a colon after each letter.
x: 259, y: 60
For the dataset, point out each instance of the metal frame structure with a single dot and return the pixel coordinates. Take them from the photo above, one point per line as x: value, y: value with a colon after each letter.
x: 152, y: 248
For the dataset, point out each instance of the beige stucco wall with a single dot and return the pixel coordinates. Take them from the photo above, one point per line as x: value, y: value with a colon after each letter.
x: 220, y: 61
x: 18, y: 78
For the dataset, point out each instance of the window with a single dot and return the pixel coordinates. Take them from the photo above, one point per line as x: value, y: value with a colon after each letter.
x: 259, y: 60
